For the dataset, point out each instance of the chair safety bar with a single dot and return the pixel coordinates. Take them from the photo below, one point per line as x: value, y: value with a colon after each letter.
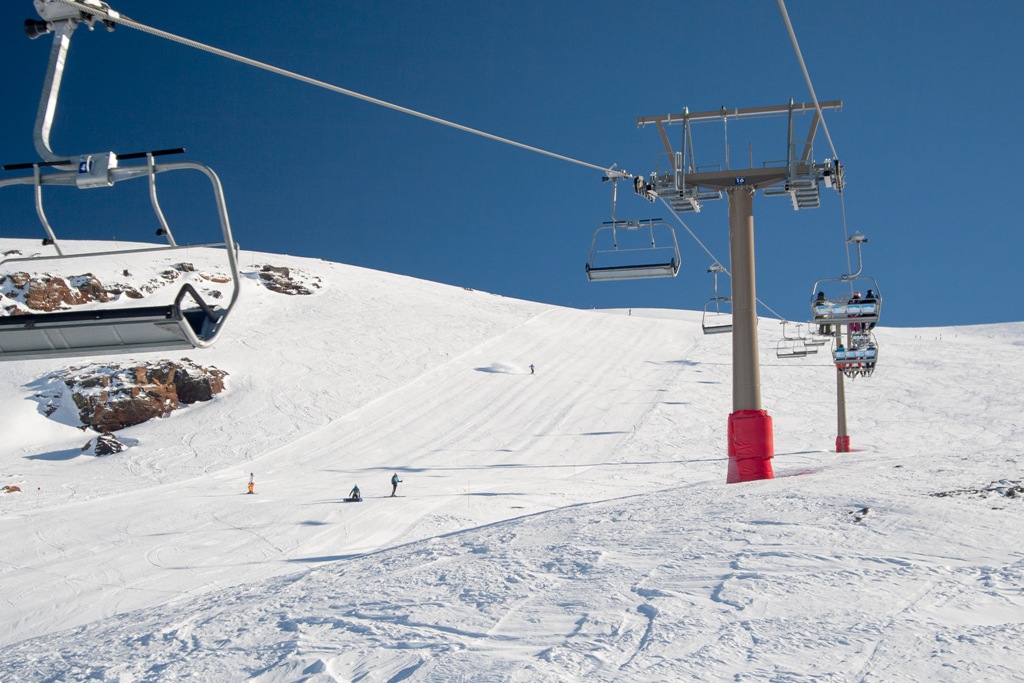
x: 119, y: 329
x: 110, y: 330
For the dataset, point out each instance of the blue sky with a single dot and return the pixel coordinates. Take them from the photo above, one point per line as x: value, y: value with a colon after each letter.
x: 931, y: 97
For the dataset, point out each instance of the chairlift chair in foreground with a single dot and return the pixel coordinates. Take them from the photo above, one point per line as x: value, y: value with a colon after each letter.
x: 632, y: 250
x: 187, y: 322
x: 715, y: 320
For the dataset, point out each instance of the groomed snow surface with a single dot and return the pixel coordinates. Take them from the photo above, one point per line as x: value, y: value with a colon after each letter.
x: 570, y: 525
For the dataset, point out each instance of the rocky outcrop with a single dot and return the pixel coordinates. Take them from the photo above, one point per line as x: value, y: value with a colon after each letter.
x: 109, y: 398
x: 282, y: 280
x: 23, y: 293
x: 47, y: 293
x: 104, y: 444
x: 1011, y: 488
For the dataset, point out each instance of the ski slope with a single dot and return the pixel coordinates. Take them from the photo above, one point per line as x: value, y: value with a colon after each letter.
x: 572, y: 524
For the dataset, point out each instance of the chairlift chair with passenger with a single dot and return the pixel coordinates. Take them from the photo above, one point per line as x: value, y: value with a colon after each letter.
x: 845, y: 300
x: 851, y: 299
x: 187, y: 321
x: 856, y: 355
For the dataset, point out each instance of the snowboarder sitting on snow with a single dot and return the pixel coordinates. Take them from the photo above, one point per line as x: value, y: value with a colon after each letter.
x: 395, y: 481
x: 354, y: 493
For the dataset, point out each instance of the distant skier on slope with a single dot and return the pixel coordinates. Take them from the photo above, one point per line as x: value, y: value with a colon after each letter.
x: 395, y: 481
x: 531, y: 368
x: 252, y: 482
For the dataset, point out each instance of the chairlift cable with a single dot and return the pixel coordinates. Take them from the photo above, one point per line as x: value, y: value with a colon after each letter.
x: 777, y: 315
x: 694, y: 236
x: 821, y: 117
x: 842, y: 209
x: 122, y: 20
x: 709, y: 252
x: 807, y: 76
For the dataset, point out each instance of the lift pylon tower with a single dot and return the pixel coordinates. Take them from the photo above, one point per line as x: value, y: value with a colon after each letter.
x: 852, y: 315
x: 751, y: 440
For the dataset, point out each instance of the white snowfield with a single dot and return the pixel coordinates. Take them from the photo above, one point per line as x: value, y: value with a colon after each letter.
x: 569, y: 525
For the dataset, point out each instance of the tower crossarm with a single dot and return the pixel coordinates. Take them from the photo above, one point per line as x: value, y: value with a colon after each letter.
x: 725, y: 113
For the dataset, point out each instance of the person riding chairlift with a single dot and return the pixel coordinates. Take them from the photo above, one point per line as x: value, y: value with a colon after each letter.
x: 823, y: 330
x: 841, y: 356
x: 870, y: 298
x: 855, y: 300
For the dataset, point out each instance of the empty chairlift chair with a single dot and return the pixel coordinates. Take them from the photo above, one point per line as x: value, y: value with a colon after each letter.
x: 816, y: 338
x: 794, y: 344
x: 633, y: 250
x: 716, y: 320
x: 186, y: 321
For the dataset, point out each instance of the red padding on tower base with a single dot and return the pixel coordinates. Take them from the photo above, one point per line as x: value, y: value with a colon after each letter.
x: 842, y: 444
x: 751, y: 446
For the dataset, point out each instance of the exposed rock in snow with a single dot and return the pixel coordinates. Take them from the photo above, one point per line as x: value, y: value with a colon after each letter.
x: 24, y: 293
x: 284, y: 281
x: 1004, y: 487
x: 111, y: 397
x: 47, y: 292
x: 859, y: 515
x: 104, y: 444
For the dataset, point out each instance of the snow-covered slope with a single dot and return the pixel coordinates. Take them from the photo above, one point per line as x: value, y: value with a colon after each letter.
x: 572, y: 524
